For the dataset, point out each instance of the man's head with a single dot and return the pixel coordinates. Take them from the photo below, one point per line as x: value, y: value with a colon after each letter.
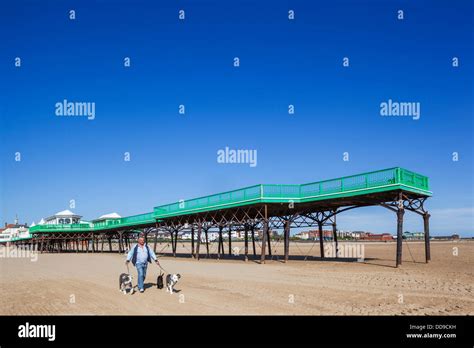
x: 141, y: 240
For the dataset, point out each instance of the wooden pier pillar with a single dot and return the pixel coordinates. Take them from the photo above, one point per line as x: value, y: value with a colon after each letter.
x: 246, y: 258
x: 426, y: 224
x: 156, y: 240
x: 400, y: 213
x: 321, y: 239
x: 198, y: 240
x: 230, y: 240
x: 286, y: 236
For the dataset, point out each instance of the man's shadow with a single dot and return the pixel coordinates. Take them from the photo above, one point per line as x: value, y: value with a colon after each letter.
x: 153, y: 285
x: 149, y: 285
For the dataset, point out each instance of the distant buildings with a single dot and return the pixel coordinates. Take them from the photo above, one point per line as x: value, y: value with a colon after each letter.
x: 382, y: 237
x: 314, y: 235
x: 13, y: 232
x: 342, y: 235
x: 413, y: 235
x: 451, y: 237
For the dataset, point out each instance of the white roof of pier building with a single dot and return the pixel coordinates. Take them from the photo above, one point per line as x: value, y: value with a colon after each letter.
x: 65, y: 214
x: 110, y: 216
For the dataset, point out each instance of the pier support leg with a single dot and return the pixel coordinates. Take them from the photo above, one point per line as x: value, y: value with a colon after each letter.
x: 400, y: 213
x: 264, y: 236
x: 198, y: 240
x: 120, y: 242
x: 286, y: 236
x: 246, y: 257
x: 172, y: 243
x: 334, y: 234
x: 269, y: 241
x: 253, y: 241
x: 155, y: 242
x: 230, y: 240
x: 192, y: 242
x: 426, y: 223
x: 321, y: 239
x: 175, y: 242
x: 207, y: 243
x: 264, y: 241
x: 220, y: 243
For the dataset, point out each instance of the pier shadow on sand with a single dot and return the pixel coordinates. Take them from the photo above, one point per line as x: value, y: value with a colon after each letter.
x: 275, y: 258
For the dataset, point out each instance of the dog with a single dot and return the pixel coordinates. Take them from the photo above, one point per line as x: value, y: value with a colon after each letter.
x: 125, y: 283
x: 171, y: 280
x: 159, y: 281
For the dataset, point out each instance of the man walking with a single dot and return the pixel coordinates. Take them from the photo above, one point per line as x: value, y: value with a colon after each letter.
x: 140, y: 255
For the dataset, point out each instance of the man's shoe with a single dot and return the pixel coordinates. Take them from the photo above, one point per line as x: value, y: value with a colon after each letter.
x: 141, y: 290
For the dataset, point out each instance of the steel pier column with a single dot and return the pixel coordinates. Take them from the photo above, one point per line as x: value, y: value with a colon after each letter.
x: 400, y: 213
x: 286, y: 234
x: 321, y: 239
x: 426, y: 223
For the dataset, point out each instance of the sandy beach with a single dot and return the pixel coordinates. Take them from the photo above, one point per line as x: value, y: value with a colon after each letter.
x: 80, y: 283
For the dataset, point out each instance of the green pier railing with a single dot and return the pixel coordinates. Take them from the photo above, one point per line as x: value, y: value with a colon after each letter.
x: 371, y: 182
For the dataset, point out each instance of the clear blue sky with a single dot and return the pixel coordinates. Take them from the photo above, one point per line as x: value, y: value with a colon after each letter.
x: 190, y: 62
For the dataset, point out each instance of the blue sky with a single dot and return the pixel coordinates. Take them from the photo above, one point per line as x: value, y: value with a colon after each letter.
x: 190, y: 62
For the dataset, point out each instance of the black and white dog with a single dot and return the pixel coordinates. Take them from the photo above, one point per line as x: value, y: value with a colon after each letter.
x: 171, y: 280
x: 125, y: 283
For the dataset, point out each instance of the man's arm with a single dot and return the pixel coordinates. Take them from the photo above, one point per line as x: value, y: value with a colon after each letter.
x: 130, y: 254
x: 153, y: 256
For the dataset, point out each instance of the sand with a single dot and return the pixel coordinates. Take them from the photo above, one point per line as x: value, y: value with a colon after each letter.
x: 80, y: 283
